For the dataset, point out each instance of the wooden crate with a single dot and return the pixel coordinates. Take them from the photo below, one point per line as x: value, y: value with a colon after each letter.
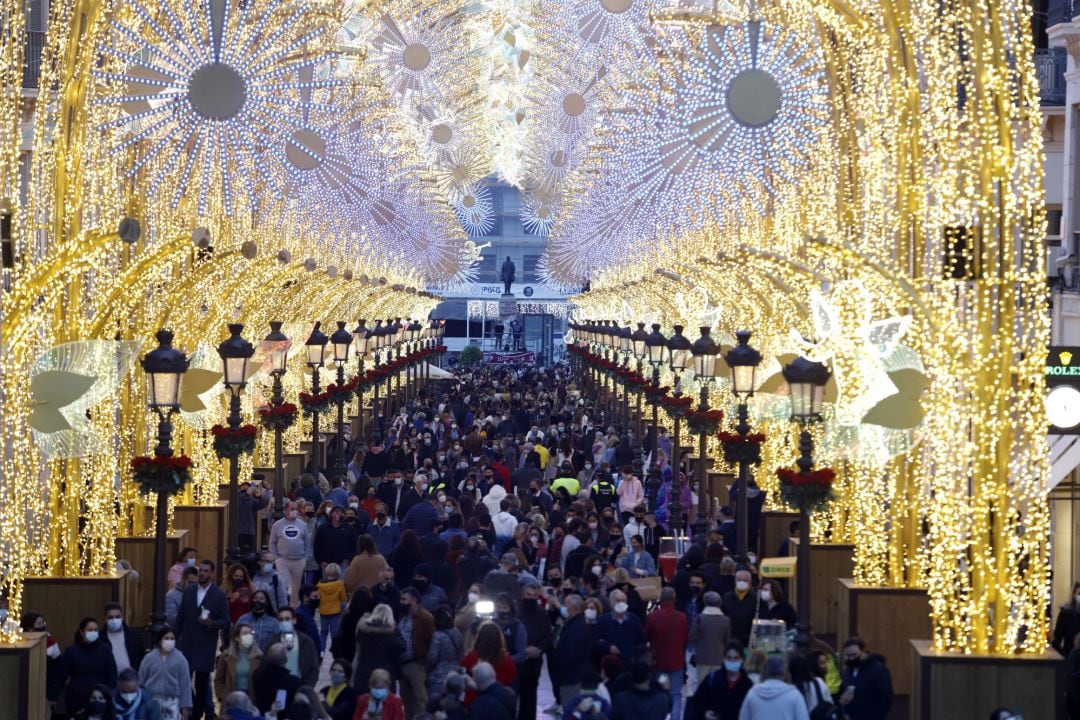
x: 828, y: 563
x: 887, y: 619
x: 64, y: 601
x: 294, y: 466
x: 139, y: 551
x: 954, y: 686
x: 774, y: 531
x: 208, y: 529
x: 22, y: 678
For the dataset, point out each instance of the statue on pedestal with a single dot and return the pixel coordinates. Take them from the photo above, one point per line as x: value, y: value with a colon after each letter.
x: 507, y: 274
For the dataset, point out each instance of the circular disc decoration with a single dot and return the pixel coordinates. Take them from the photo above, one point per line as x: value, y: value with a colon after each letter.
x: 574, y: 104
x: 442, y: 134
x: 616, y: 7
x: 753, y: 98
x: 217, y: 92
x: 416, y: 57
x: 305, y: 149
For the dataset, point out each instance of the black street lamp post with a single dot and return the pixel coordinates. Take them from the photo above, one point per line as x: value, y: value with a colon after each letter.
x: 276, y: 348
x: 743, y: 361
x: 637, y: 341
x: 235, y: 353
x: 806, y: 380
x: 164, y: 367
x: 705, y: 353
x: 316, y: 355
x: 679, y: 357
x: 342, y: 342
x: 656, y: 346
x: 360, y: 341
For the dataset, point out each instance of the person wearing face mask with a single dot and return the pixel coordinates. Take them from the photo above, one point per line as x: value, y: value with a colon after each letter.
x: 126, y: 647
x: 379, y: 701
x: 268, y: 580
x: 619, y: 632
x: 572, y: 648
x: 741, y: 605
x: 132, y: 702
x: 365, y: 566
x: 173, y: 597
x: 867, y: 685
x: 416, y: 626
x: 262, y: 619
x: 98, y: 705
x: 339, y: 696
x: 237, y: 664
x: 538, y: 640
x: 710, y: 632
x: 302, y: 658
x: 86, y: 663
x: 290, y: 544
x: 185, y: 559
x: 723, y: 690
x: 667, y: 631
x: 305, y: 615
x: 775, y: 606
x: 165, y: 674
x: 637, y: 561
x: 386, y: 531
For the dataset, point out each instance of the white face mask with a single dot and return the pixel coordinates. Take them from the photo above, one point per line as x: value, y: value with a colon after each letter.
x: 590, y: 614
x: 766, y: 595
x: 597, y: 570
x: 742, y: 585
x: 129, y: 697
x: 168, y: 645
x: 621, y: 608
x: 474, y: 597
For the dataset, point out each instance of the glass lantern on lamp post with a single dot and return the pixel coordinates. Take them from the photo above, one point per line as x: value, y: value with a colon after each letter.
x: 360, y: 343
x: 235, y: 353
x: 164, y: 367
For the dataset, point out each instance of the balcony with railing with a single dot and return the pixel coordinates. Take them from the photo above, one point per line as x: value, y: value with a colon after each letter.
x: 1050, y: 66
x: 35, y: 42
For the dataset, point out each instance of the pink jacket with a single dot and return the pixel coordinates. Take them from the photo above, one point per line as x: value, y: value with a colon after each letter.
x: 631, y: 494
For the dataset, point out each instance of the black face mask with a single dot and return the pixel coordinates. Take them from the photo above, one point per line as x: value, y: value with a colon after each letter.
x: 313, y: 603
x: 380, y: 516
x: 258, y: 607
x: 420, y: 585
x: 529, y: 603
x: 97, y: 707
x: 854, y: 662
x: 554, y: 580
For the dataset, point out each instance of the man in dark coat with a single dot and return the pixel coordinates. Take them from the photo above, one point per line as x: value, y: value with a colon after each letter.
x: 538, y: 637
x: 572, y: 649
x: 493, y: 701
x: 741, y: 606
x: 867, y: 687
x: 335, y: 541
x: 201, y: 621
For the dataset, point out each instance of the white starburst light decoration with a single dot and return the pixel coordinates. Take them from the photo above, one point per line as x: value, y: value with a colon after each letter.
x: 475, y: 210
x: 208, y: 85
x: 538, y: 212
x: 732, y: 122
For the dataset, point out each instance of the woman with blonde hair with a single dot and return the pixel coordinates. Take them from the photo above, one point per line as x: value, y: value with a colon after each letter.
x: 378, y: 645
x: 379, y: 702
x: 236, y: 666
